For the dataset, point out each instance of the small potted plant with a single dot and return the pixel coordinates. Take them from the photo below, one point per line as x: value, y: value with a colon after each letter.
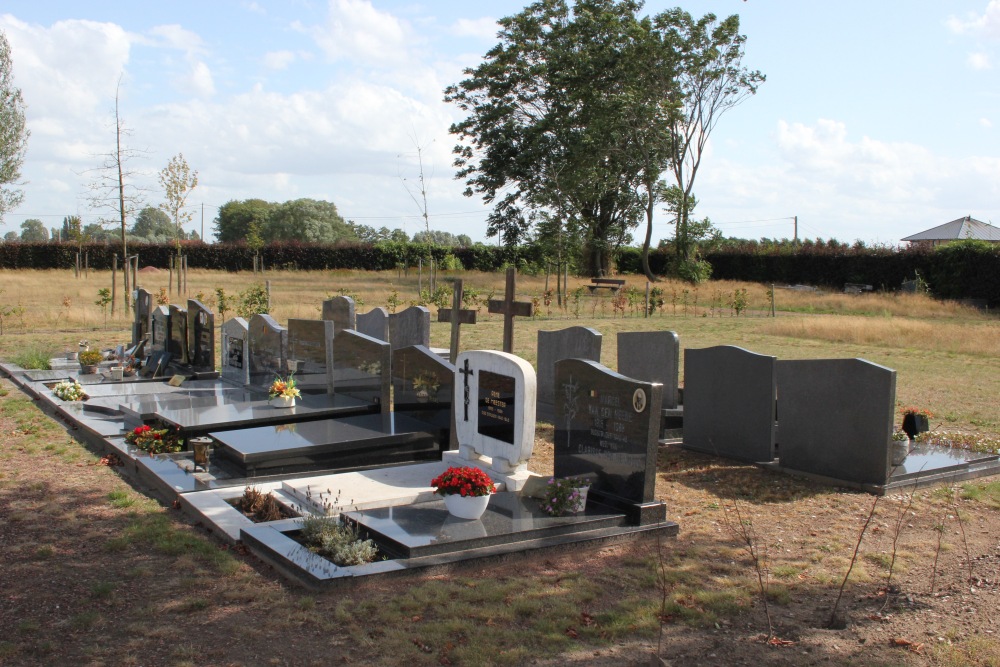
x: 466, y: 491
x: 69, y: 390
x: 426, y: 385
x: 916, y: 420
x: 565, y: 496
x: 154, y: 441
x: 89, y: 359
x: 900, y: 447
x: 283, y: 392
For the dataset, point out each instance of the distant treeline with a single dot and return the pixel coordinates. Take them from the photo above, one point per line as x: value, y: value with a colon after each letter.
x: 966, y: 269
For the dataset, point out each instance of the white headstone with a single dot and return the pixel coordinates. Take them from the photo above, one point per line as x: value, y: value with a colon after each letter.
x: 494, y: 406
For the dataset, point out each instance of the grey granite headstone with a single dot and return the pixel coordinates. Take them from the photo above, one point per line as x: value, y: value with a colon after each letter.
x: 143, y: 312
x: 653, y: 356
x: 835, y: 418
x: 571, y: 343
x: 729, y: 399
x: 177, y: 342
x: 422, y: 388
x: 340, y: 311
x: 268, y: 343
x: 606, y: 431
x: 160, y: 328
x: 235, y: 351
x: 374, y: 323
x: 310, y: 355
x: 410, y: 327
x: 201, y: 336
x: 361, y: 368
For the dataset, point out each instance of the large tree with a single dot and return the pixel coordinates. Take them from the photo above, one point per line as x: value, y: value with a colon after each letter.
x: 308, y: 220
x: 13, y: 132
x: 34, y: 231
x: 556, y: 113
x: 237, y: 219
x: 155, y: 225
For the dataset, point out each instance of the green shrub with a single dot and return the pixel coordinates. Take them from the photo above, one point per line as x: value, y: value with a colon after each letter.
x: 33, y: 358
x: 341, y: 544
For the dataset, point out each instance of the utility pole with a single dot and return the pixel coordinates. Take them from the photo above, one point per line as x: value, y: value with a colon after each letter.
x: 796, y: 219
x: 203, y: 222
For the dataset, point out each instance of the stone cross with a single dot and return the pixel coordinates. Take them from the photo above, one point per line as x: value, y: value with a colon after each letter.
x: 464, y: 316
x: 509, y: 309
x: 466, y: 371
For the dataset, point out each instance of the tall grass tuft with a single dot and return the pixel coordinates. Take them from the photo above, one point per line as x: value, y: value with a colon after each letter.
x: 34, y: 357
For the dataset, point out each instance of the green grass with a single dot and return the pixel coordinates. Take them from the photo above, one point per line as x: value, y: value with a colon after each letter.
x: 33, y: 357
x: 121, y: 498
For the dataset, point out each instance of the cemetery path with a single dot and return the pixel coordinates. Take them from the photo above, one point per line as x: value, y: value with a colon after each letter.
x: 95, y: 573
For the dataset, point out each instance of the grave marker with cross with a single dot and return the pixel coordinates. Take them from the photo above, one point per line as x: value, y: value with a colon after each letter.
x: 464, y: 316
x: 510, y: 309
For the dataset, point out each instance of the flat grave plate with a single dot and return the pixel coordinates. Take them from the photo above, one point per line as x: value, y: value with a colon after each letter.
x: 249, y: 414
x: 127, y: 390
x: 146, y: 408
x: 933, y: 459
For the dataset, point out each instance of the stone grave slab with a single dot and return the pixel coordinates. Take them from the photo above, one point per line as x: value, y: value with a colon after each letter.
x: 201, y: 337
x: 423, y: 385
x: 652, y: 356
x: 606, y: 431
x: 160, y: 327
x: 310, y: 355
x: 410, y: 327
x: 729, y: 403
x: 340, y: 311
x: 495, y: 415
x: 268, y: 343
x: 144, y: 410
x: 570, y: 343
x: 836, y: 418
x: 143, y: 311
x: 177, y: 340
x: 374, y: 323
x: 361, y: 368
x: 236, y: 351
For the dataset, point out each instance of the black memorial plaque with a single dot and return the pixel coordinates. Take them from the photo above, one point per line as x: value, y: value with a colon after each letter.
x: 496, y: 406
x: 235, y: 359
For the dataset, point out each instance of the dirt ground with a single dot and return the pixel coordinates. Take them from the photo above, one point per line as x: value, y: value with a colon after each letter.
x: 96, y: 574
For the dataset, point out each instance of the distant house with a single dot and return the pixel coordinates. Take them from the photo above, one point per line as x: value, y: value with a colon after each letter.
x: 956, y: 230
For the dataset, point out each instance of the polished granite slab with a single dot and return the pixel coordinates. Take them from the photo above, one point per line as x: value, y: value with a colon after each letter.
x: 347, y: 442
x: 931, y: 459
x: 126, y: 390
x: 138, y: 412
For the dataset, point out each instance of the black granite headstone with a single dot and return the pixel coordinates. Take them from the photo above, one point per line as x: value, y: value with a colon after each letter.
x: 310, y: 355
x: 201, y: 336
x: 235, y: 352
x: 160, y: 323
x: 361, y: 368
x: 423, y: 385
x: 143, y: 312
x: 177, y: 342
x: 268, y: 343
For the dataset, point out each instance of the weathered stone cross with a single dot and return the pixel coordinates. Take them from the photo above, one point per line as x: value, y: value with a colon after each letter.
x: 510, y: 308
x: 464, y: 316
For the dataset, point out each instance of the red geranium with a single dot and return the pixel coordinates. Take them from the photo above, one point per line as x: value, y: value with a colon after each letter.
x: 465, y: 481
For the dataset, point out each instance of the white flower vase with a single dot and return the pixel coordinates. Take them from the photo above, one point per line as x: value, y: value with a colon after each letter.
x: 581, y: 501
x: 900, y: 450
x: 466, y: 507
x: 283, y: 401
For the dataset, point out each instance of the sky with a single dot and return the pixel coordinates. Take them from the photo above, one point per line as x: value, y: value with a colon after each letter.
x: 877, y: 120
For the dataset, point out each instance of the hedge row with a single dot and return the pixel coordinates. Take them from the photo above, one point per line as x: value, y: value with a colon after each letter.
x: 968, y: 269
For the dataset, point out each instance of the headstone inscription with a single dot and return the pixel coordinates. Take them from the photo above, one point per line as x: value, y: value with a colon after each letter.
x: 422, y: 388
x: 606, y: 431
x: 201, y: 336
x: 310, y: 355
x: 410, y: 327
x: 361, y: 368
x: 495, y: 414
x: 374, y: 323
x: 268, y: 343
x: 570, y: 343
x: 235, y: 352
x: 340, y: 311
x: 177, y: 342
x: 835, y: 418
x: 143, y: 312
x: 510, y: 309
x: 729, y: 403
x: 160, y: 323
x: 653, y: 356
x: 457, y: 316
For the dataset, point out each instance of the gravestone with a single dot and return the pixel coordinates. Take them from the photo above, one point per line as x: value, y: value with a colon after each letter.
x: 652, y: 356
x: 606, y: 432
x: 510, y: 309
x: 340, y: 311
x: 422, y: 388
x: 836, y: 418
x: 729, y: 402
x: 201, y: 336
x: 410, y: 327
x: 374, y: 323
x: 268, y: 345
x: 570, y: 343
x: 235, y: 352
x: 143, y: 314
x: 160, y: 328
x: 361, y: 368
x: 495, y: 414
x: 310, y: 355
x: 177, y: 342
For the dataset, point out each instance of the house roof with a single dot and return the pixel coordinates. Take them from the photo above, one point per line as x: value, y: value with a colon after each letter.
x: 963, y: 228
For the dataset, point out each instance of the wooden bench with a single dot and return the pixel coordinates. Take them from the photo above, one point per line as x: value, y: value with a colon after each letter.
x: 613, y: 284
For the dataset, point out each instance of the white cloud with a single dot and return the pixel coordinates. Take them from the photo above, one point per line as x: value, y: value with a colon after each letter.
x: 484, y: 28
x: 986, y: 122
x: 175, y: 37
x: 988, y: 23
x: 980, y: 61
x: 278, y: 60
x: 200, y: 80
x: 355, y: 30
